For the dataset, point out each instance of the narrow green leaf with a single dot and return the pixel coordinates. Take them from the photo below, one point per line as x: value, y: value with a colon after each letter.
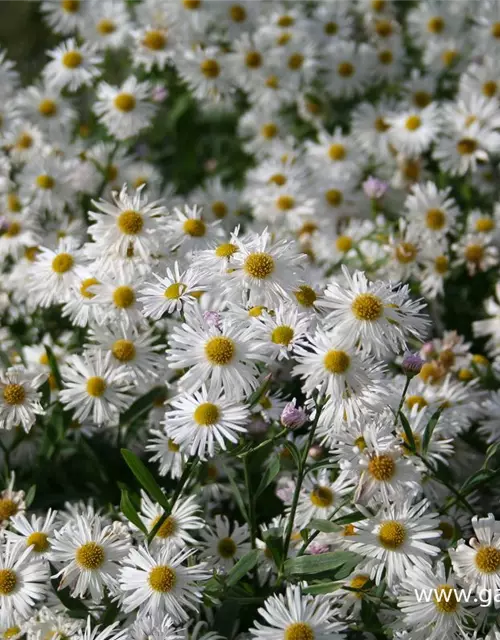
x: 237, y: 494
x: 275, y: 545
x: 271, y: 471
x: 141, y: 406
x: 54, y: 367
x: 145, y: 477
x: 309, y: 565
x: 294, y: 452
x: 322, y: 587
x: 429, y: 430
x: 129, y: 511
x: 260, y: 392
x: 30, y: 496
x: 325, y: 526
x: 354, y: 516
x: 410, y: 440
x: 242, y: 567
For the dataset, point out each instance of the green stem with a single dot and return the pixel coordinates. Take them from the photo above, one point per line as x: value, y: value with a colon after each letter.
x: 447, y: 484
x: 314, y: 535
x: 403, y: 396
x: 252, y: 522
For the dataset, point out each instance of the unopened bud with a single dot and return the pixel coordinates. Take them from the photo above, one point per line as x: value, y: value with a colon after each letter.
x: 293, y: 417
x: 374, y: 188
x: 412, y: 364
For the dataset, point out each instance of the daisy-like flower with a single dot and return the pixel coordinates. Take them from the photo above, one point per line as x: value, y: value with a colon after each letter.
x: 463, y: 150
x: 116, y: 298
x: 443, y: 615
x: 394, y: 540
x: 490, y: 326
x: 159, y: 583
x: 78, y: 306
x: 64, y: 16
x: 57, y: 624
x: 106, y: 24
x: 24, y: 581
x: 149, y: 627
x: 131, y: 222
x: 376, y: 315
x: 278, y: 334
x: 223, y: 545
x: 350, y: 68
x: 36, y: 533
x: 477, y: 252
x: 90, y: 554
x: 167, y: 454
x: 412, y: 132
x: 294, y: 616
x: 175, y: 530
x: 190, y: 231
x: 222, y: 356
x: 320, y: 497
x: 154, y: 44
x: 11, y: 502
x: 124, y: 110
x: 201, y: 420
x: 98, y: 633
x: 45, y: 183
x: 19, y: 397
x: 266, y: 271
x: 43, y: 105
x: 203, y: 69
x: 431, y: 211
x: 172, y: 292
x: 94, y: 387
x: 72, y: 65
x: 478, y: 563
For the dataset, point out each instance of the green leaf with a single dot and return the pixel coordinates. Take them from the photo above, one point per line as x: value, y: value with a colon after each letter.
x: 145, y: 477
x: 237, y: 493
x: 242, y: 567
x: 129, y: 511
x: 261, y: 391
x: 271, y: 471
x: 325, y: 526
x: 354, y: 516
x: 309, y: 565
x: 410, y: 440
x: 30, y: 496
x: 54, y: 367
x: 275, y: 545
x: 294, y: 452
x: 141, y: 406
x: 429, y: 430
x: 322, y: 587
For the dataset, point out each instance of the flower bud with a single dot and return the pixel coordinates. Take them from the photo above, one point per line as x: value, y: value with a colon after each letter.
x: 293, y: 417
x: 374, y: 188
x: 412, y: 364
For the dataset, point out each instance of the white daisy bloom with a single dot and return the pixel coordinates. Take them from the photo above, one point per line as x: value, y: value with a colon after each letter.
x: 477, y: 252
x: 279, y: 333
x: 462, y: 151
x: 296, y: 616
x: 94, y: 387
x: 431, y: 211
x: 223, y: 545
x: 116, y: 298
x: 43, y: 105
x: 45, y: 183
x: 11, y: 502
x: 106, y: 24
x: 90, y: 554
x: 19, y: 397
x: 125, y: 110
x: 412, y: 132
x: 98, y: 633
x: 24, y: 581
x: 204, y: 71
x: 160, y: 583
x: 394, y: 540
x: 201, y: 420
x: 167, y: 454
x: 36, y: 533
x: 63, y: 16
x: 48, y: 621
x: 154, y: 45
x: 148, y: 626
x: 72, y: 65
x: 78, y: 305
x: 190, y: 231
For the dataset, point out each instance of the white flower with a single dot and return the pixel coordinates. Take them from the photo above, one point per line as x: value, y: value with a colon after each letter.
x: 320, y: 497
x: 166, y: 453
x: 72, y: 66
x: 19, y: 398
x: 63, y: 17
x: 224, y: 544
x: 159, y: 583
x: 201, y: 420
x: 278, y: 334
x: 294, y: 616
x: 98, y: 633
x: 412, y: 132
x: 90, y: 554
x: 37, y: 533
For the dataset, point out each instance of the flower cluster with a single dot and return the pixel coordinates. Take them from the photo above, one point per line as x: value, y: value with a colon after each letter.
x: 250, y: 322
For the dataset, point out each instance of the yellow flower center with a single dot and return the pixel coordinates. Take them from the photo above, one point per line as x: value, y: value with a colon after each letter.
x: 489, y: 89
x: 255, y: 312
x: 14, y: 394
x: 321, y: 497
x: 441, y: 264
x: 447, y: 530
x: 174, y: 291
x: 125, y: 102
x: 226, y: 250
x: 495, y: 30
x: 96, y: 386
x: 435, y: 219
x: 90, y: 556
x: 358, y: 582
x: 445, y: 598
x: 162, y: 578
x: 282, y: 335
x: 272, y: 82
x: 8, y: 581
x: 130, y: 222
x: 345, y: 69
x: 484, y: 225
x: 416, y: 401
x: 191, y: 5
x: 30, y: 253
x: 416, y: 439
x: 386, y: 56
x: 334, y: 197
x: 13, y: 203
x: 237, y: 13
x: 413, y: 122
x: 449, y: 56
x: 382, y: 467
x: 367, y: 306
x: 155, y: 40
x: 206, y: 414
x: 11, y: 632
x: 487, y: 559
x: 295, y: 61
x: 210, y: 68
x: 392, y: 534
x: 436, y: 25
x: 269, y: 130
x: 360, y: 442
x: 336, y: 362
x: 84, y: 287
x: 45, y: 181
x: 123, y: 297
x: 123, y: 350
x: 421, y: 99
x: 220, y: 350
x: 466, y: 146
x: 39, y: 540
x: 8, y: 508
x: 13, y: 230
x: 72, y: 59
x: 337, y: 152
x: 305, y: 295
x: 331, y: 28
x: 167, y: 529
x: 406, y: 252
x: 299, y: 631
x: 70, y: 6
x: 194, y: 227
x: 474, y: 253
x: 105, y: 27
x: 253, y: 60
x: 62, y: 263
x: 383, y: 28
x: 173, y: 446
x: 259, y: 265
x: 226, y: 548
x: 219, y: 209
x: 286, y: 21
x: 381, y: 125
x: 284, y: 202
x: 25, y: 141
